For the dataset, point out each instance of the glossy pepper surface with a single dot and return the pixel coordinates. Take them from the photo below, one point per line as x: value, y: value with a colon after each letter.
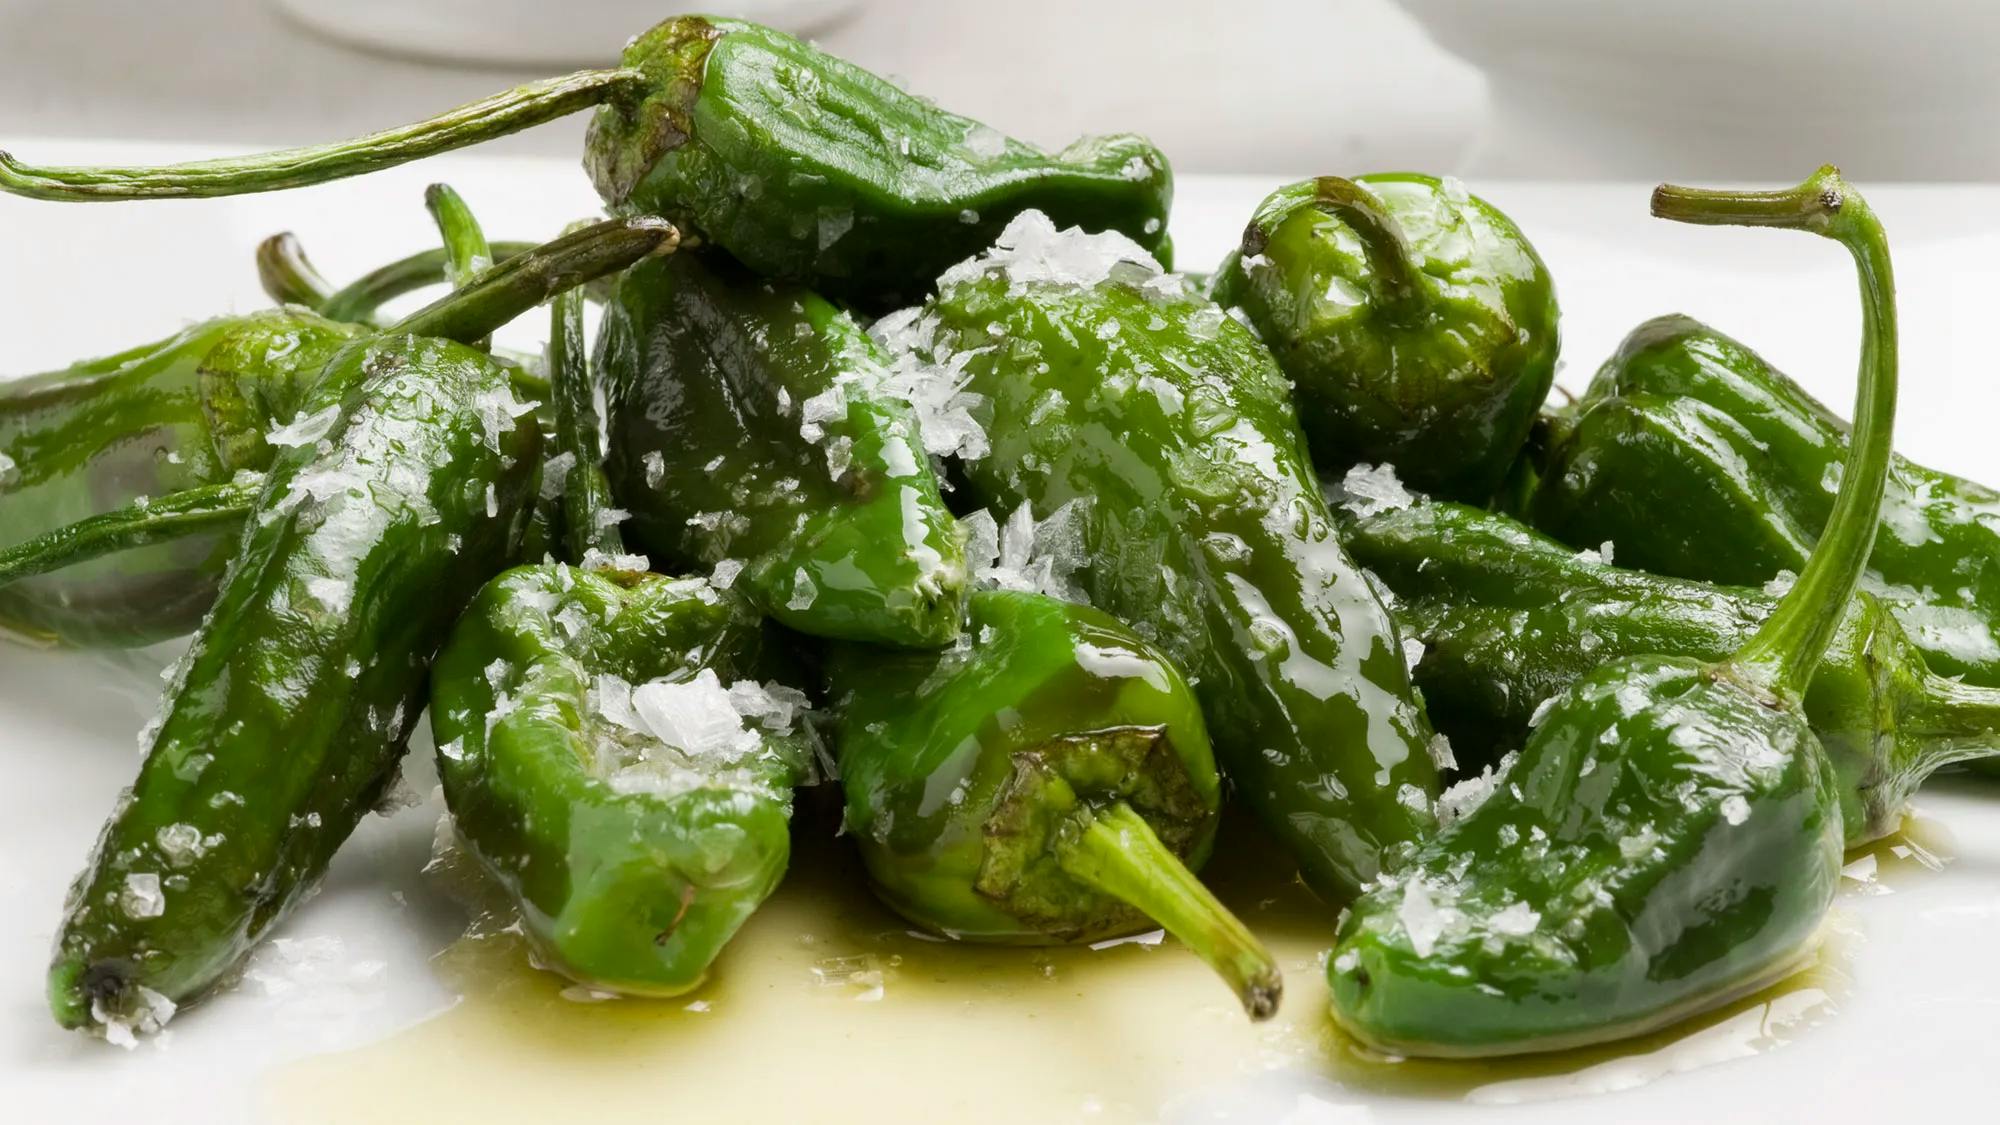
x: 1699, y: 459
x: 1164, y: 432
x: 369, y: 537
x: 1670, y: 835
x: 1417, y: 324
x: 1509, y: 618
x: 799, y: 164
x: 635, y: 828
x: 1048, y: 779
x: 752, y: 431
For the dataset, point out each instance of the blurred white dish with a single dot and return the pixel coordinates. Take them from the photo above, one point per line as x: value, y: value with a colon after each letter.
x: 1731, y: 89
x: 527, y: 32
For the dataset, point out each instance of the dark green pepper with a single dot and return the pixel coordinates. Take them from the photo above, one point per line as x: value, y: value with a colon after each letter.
x: 1415, y: 320
x: 752, y: 431
x: 632, y: 858
x: 1698, y: 459
x: 1509, y: 618
x: 1670, y: 836
x: 801, y: 165
x: 365, y: 544
x: 1049, y: 779
x: 1164, y: 433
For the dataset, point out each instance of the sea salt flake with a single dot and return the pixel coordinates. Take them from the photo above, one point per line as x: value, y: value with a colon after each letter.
x: 694, y: 716
x: 1735, y: 809
x: 305, y: 429
x: 1422, y: 921
x: 1518, y: 920
x: 141, y: 896
x: 725, y: 572
x: 1368, y: 489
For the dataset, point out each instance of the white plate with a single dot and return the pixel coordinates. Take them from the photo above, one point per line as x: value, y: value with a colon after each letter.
x: 1915, y: 1037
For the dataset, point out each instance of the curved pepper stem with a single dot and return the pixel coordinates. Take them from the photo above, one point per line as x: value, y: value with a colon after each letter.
x: 1788, y: 647
x: 1393, y: 278
x: 209, y: 508
x: 287, y: 276
x: 1114, y: 850
x: 587, y: 494
x: 358, y: 301
x: 508, y: 112
x: 467, y: 253
x: 508, y: 290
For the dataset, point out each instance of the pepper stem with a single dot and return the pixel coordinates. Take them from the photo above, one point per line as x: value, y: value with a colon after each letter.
x: 169, y: 517
x: 497, y: 116
x: 1114, y: 850
x: 467, y: 253
x: 1393, y: 278
x: 587, y: 493
x: 357, y: 302
x: 508, y: 290
x: 287, y: 276
x: 1951, y: 722
x: 1786, y: 650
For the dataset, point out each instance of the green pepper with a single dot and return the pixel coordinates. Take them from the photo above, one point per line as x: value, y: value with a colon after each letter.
x: 1698, y: 459
x: 366, y: 542
x: 1157, y: 429
x: 752, y: 431
x: 1048, y: 779
x: 1508, y: 618
x: 632, y: 858
x: 800, y: 165
x: 1670, y: 835
x: 1416, y: 322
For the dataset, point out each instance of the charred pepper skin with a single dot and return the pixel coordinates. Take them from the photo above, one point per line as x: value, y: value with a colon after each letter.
x: 801, y: 165
x: 184, y: 413
x: 1682, y: 407
x: 1204, y: 526
x: 1509, y: 618
x: 1049, y: 779
x: 1670, y: 835
x: 627, y: 890
x: 1417, y: 323
x: 806, y: 167
x: 749, y: 424
x: 366, y: 543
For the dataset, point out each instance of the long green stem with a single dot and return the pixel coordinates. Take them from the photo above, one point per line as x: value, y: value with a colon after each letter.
x: 470, y: 124
x: 358, y: 301
x: 1116, y: 851
x: 1786, y: 650
x: 587, y: 493
x: 1392, y: 274
x: 467, y: 254
x: 208, y: 508
x: 525, y: 281
x: 287, y: 275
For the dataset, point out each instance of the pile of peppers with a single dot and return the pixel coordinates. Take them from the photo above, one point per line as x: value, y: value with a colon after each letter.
x: 903, y: 466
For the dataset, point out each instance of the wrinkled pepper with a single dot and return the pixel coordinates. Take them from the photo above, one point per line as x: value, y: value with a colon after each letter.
x: 1508, y: 618
x: 1698, y: 459
x: 285, y: 720
x: 1417, y: 324
x: 1047, y: 780
x: 801, y: 165
x: 1164, y: 431
x: 634, y: 828
x: 1670, y: 835
x: 752, y: 432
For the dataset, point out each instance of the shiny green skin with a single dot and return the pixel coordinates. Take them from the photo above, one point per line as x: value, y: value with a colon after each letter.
x: 630, y: 892
x: 1509, y: 618
x: 181, y: 413
x: 943, y: 757
x: 707, y: 379
x: 806, y: 167
x: 1698, y: 459
x: 1652, y: 903
x: 286, y: 719
x: 1206, y: 530
x: 1443, y: 384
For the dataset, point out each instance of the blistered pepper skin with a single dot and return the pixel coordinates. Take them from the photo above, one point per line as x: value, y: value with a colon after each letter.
x: 1422, y: 334
x: 1509, y: 618
x: 1698, y: 459
x: 178, y: 414
x: 806, y: 167
x: 1203, y: 527
x: 930, y: 745
x: 634, y: 892
x: 748, y: 427
x: 343, y: 586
